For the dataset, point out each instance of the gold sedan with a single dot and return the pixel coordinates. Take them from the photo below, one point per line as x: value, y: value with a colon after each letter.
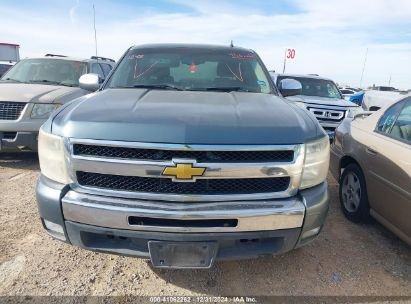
x: 371, y: 159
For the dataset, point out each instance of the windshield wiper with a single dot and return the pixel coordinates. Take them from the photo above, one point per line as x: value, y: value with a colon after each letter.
x: 10, y: 79
x: 226, y: 89
x: 68, y: 85
x: 155, y: 86
x: 44, y: 81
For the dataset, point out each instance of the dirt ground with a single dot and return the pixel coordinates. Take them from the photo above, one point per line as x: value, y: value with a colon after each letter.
x: 346, y: 260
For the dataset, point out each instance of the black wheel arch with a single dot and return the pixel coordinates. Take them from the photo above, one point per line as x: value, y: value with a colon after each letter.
x: 345, y: 161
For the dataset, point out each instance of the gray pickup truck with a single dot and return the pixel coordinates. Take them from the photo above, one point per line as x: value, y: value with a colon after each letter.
x: 187, y: 154
x: 33, y: 88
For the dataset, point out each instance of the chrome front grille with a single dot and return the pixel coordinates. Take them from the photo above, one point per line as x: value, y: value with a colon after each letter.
x: 137, y: 170
x: 327, y: 114
x: 167, y: 186
x: 199, y: 156
x: 11, y: 110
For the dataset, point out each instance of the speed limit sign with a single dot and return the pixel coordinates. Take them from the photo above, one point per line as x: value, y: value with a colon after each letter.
x: 290, y: 53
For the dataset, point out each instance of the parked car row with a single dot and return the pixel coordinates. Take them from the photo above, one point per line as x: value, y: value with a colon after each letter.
x: 370, y: 157
x: 47, y: 83
x: 347, y: 92
x: 188, y: 154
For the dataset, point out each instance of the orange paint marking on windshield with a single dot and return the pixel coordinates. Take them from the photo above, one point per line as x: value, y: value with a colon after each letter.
x: 145, y: 71
x: 240, y: 76
x: 242, y: 56
x: 193, y: 68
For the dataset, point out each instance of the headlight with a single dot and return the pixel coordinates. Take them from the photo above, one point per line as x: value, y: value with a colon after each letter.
x: 354, y: 111
x: 316, y: 162
x: 51, y: 156
x: 43, y: 110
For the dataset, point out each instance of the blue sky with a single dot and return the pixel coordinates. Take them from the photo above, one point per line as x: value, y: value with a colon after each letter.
x: 330, y: 36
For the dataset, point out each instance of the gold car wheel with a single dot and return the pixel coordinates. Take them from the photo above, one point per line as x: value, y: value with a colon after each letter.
x: 351, y: 192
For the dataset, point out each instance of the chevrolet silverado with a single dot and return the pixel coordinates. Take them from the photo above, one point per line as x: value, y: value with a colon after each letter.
x: 187, y: 154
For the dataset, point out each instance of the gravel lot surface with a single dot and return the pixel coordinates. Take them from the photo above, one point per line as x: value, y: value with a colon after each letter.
x: 347, y: 259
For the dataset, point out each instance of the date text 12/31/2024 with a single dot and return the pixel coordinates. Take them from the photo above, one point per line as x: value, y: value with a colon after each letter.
x: 202, y: 299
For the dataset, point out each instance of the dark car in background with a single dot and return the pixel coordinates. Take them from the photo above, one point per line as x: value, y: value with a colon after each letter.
x: 357, y: 97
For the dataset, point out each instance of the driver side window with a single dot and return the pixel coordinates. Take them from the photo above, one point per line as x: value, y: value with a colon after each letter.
x: 96, y: 69
x: 388, y: 119
x: 332, y: 92
x: 402, y: 126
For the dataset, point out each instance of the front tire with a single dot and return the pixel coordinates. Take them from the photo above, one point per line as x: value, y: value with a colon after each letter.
x: 353, y: 194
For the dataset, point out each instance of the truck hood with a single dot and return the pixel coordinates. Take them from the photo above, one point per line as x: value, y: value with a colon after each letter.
x: 185, y: 117
x: 36, y: 93
x: 322, y: 101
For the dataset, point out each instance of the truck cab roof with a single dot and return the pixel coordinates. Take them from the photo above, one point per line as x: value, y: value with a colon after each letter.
x: 190, y: 46
x: 313, y: 76
x: 71, y: 58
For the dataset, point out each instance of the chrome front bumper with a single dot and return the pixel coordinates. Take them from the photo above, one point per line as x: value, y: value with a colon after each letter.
x: 262, y: 215
x: 20, y: 141
x: 101, y: 223
x: 25, y: 132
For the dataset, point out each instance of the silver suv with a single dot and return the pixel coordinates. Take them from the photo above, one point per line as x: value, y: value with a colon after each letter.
x: 32, y: 89
x: 321, y: 97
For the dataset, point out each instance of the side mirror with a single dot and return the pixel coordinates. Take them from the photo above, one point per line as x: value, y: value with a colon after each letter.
x: 90, y: 82
x: 290, y: 87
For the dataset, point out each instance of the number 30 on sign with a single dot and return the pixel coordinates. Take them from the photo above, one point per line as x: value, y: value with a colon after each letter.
x: 290, y: 53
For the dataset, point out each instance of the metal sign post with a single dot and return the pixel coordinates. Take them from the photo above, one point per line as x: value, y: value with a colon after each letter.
x: 363, y: 67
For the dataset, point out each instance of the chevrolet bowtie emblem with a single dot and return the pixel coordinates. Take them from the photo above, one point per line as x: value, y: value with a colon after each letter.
x: 184, y: 172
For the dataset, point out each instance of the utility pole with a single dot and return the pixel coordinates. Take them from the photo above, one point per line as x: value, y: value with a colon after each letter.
x: 285, y: 60
x: 363, y: 67
x: 389, y: 81
x: 94, y: 24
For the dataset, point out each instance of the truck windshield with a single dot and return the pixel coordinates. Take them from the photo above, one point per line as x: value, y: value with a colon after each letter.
x: 47, y: 71
x: 191, y: 69
x: 315, y: 86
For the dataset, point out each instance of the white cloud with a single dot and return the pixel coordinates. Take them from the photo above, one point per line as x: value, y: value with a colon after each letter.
x: 330, y: 36
x: 72, y: 12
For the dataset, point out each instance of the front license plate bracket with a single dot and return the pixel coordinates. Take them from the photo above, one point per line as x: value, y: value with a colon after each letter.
x: 182, y: 254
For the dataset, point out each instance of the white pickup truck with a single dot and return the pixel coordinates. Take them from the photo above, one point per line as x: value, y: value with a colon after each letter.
x: 375, y: 99
x: 9, y: 55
